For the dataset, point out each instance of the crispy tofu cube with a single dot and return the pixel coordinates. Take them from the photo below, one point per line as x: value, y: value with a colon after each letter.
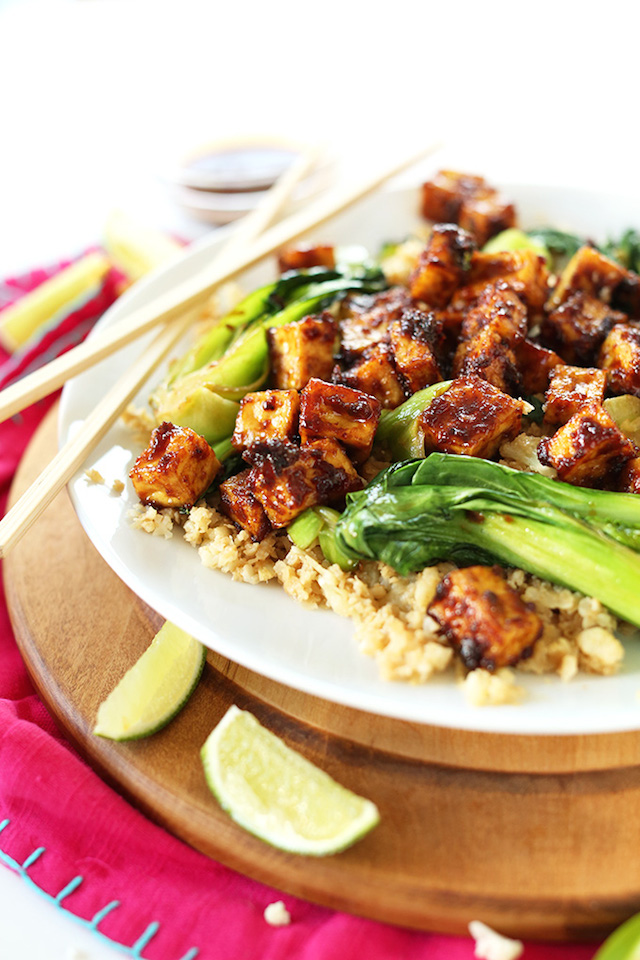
x: 302, y: 350
x: 577, y: 328
x: 333, y: 411
x: 239, y: 504
x: 375, y: 374
x: 176, y: 468
x: 489, y: 357
x: 442, y: 265
x: 266, y: 415
x: 502, y: 309
x: 589, y: 449
x: 443, y: 196
x: 366, y: 317
x: 305, y: 256
x: 416, y: 341
x: 535, y: 364
x: 629, y: 480
x: 588, y: 271
x: 484, y: 217
x: 523, y: 270
x: 570, y: 388
x: 469, y: 201
x: 471, y: 417
x: 485, y: 619
x: 620, y: 358
x: 286, y: 479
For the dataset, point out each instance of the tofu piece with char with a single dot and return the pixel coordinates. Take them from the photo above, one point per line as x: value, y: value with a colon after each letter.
x: 490, y: 333
x: 335, y: 412
x: 417, y: 340
x: 442, y: 265
x: 305, y: 256
x: 620, y: 359
x: 266, y: 415
x: 472, y: 417
x: 484, y: 619
x: 570, y: 388
x: 286, y: 478
x: 485, y: 216
x: 535, y: 364
x: 629, y: 480
x: 588, y: 271
x: 523, y: 270
x: 365, y: 318
x: 375, y: 374
x: 239, y: 504
x: 578, y: 326
x: 175, y: 469
x: 589, y: 449
x: 499, y: 307
x: 302, y: 350
x: 469, y: 201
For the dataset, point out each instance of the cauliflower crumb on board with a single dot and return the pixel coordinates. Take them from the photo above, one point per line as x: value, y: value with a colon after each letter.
x: 493, y: 946
x: 277, y: 915
x: 93, y: 475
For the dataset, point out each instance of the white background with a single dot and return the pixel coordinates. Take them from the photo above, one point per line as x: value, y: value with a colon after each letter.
x: 100, y: 97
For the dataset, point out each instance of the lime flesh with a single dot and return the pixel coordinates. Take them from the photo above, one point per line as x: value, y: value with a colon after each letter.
x: 276, y: 794
x: 155, y: 689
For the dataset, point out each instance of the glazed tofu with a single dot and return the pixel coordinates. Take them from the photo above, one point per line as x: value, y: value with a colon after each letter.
x: 416, y: 340
x: 175, y: 469
x: 469, y: 201
x: 577, y: 328
x: 588, y: 271
x: 442, y: 266
x: 443, y: 196
x: 485, y: 216
x: 502, y: 309
x: 620, y: 358
x: 629, y: 481
x: 535, y: 364
x: 523, y: 270
x: 570, y: 388
x: 485, y: 619
x: 376, y: 375
x: 286, y: 479
x: 305, y: 256
x: 490, y: 333
x: 266, y: 415
x: 336, y: 412
x: 490, y: 359
x: 239, y: 504
x: 471, y: 417
x: 589, y: 449
x: 365, y: 318
x: 302, y: 350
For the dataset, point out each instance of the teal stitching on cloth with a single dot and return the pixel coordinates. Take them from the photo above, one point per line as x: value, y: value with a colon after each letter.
x: 92, y: 925
x: 143, y: 940
x: 70, y: 887
x: 31, y: 859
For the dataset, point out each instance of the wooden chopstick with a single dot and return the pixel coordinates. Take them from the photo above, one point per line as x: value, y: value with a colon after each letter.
x: 191, y: 293
x: 71, y: 457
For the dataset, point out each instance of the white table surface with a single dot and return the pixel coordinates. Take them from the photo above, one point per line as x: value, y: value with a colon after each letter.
x: 99, y: 97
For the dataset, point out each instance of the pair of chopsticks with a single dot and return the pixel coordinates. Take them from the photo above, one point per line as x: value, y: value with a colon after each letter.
x: 175, y: 309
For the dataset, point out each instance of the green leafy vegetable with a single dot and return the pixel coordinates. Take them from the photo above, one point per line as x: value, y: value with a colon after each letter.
x: 626, y: 250
x: 515, y: 239
x: 399, y: 432
x: 473, y: 511
x: 623, y: 943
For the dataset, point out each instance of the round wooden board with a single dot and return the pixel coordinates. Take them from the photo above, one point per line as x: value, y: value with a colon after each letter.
x: 466, y: 832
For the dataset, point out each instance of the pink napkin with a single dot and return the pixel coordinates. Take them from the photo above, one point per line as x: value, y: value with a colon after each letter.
x: 83, y: 847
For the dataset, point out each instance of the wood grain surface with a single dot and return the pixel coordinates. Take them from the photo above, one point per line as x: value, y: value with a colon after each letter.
x: 531, y: 835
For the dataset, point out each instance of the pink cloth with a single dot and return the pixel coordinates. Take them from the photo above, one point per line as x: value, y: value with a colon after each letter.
x: 79, y: 842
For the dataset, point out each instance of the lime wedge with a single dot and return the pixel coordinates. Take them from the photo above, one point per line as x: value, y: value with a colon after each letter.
x: 155, y: 689
x: 276, y: 794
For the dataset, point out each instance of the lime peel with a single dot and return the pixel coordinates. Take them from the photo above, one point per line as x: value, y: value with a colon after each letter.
x: 278, y: 795
x: 155, y: 688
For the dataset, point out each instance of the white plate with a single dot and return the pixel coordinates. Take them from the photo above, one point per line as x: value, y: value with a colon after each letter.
x: 260, y: 627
